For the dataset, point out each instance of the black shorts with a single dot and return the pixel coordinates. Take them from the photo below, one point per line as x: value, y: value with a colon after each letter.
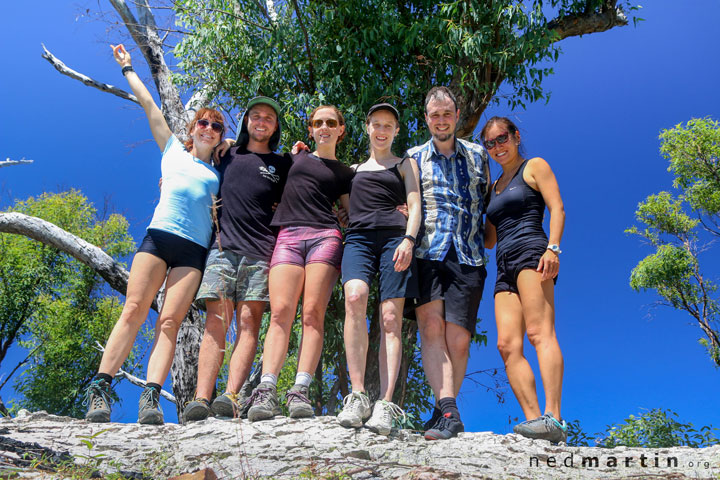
x: 459, y: 286
x: 510, y: 264
x: 369, y: 252
x: 174, y: 250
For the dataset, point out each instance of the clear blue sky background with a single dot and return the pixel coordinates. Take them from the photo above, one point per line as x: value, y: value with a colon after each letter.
x: 612, y: 94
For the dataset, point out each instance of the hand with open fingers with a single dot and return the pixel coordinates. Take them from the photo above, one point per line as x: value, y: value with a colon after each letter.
x: 222, y: 149
x: 549, y: 265
x: 341, y: 215
x: 298, y: 146
x: 403, y: 208
x: 121, y: 55
x: 403, y: 255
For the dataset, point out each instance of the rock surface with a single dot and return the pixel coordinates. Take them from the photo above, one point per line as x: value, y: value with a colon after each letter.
x: 319, y: 448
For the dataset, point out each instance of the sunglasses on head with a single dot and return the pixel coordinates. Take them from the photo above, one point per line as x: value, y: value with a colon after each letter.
x: 330, y: 122
x: 499, y: 140
x: 205, y: 123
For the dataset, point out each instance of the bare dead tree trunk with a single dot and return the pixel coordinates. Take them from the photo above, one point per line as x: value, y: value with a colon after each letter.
x: 7, y: 162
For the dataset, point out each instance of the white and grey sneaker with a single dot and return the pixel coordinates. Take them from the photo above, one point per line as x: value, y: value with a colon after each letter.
x: 356, y: 410
x: 383, y: 415
x: 545, y: 427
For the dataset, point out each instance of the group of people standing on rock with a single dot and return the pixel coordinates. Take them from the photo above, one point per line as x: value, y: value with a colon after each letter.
x: 415, y: 221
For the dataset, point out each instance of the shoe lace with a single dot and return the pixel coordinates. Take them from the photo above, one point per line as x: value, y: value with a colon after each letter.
x: 260, y: 394
x: 296, y: 396
x: 150, y: 399
x: 395, y: 414
x: 96, y: 395
x: 355, y: 400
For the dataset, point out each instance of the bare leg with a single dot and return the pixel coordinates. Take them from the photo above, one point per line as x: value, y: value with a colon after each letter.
x: 538, y: 305
x: 355, y: 332
x: 435, y: 356
x: 511, y: 332
x: 218, y: 318
x: 458, y: 345
x: 390, y: 345
x: 146, y: 277
x: 182, y: 283
x: 285, y: 284
x: 249, y: 316
x: 319, y: 281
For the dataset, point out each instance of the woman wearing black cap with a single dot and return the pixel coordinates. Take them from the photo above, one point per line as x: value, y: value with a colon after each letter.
x: 379, y: 240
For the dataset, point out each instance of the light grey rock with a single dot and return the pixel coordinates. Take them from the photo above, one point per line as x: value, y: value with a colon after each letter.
x: 285, y: 448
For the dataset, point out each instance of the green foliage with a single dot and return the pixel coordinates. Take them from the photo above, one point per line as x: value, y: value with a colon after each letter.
x: 657, y: 428
x: 678, y: 226
x: 56, y: 307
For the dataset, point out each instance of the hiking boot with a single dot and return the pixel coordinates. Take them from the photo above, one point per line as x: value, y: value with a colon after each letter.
x: 150, y: 412
x: 383, y: 415
x: 298, y: 403
x: 197, y: 410
x: 546, y: 427
x: 446, y: 427
x: 356, y: 410
x: 436, y: 414
x: 263, y: 402
x: 227, y: 405
x: 98, y: 401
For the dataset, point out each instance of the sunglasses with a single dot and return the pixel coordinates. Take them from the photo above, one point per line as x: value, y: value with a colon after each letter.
x: 330, y: 122
x: 499, y: 140
x: 205, y: 123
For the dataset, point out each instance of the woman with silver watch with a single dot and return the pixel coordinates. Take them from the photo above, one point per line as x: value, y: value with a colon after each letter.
x: 527, y: 269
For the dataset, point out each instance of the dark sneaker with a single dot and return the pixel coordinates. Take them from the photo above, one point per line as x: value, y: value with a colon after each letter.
x: 436, y: 414
x: 263, y: 402
x: 356, y: 410
x: 227, y: 405
x: 446, y: 427
x: 546, y: 427
x: 98, y: 401
x: 150, y: 412
x: 197, y: 410
x: 298, y: 402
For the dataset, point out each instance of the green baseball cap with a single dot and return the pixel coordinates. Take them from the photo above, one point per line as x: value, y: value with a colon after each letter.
x: 265, y: 101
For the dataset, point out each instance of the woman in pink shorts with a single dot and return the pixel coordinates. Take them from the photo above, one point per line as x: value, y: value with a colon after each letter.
x: 306, y: 261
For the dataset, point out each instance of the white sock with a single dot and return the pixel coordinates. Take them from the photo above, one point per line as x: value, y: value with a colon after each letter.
x: 303, y: 378
x: 269, y: 378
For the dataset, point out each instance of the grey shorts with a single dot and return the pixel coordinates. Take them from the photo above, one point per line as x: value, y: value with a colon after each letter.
x: 234, y: 277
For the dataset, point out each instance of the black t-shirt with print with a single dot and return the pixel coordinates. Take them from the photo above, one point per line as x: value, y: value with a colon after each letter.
x: 314, y: 185
x: 250, y: 184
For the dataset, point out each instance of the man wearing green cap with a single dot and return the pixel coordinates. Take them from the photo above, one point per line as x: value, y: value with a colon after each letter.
x: 236, y: 273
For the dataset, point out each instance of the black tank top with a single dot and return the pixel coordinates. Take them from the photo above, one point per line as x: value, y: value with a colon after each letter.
x: 517, y: 213
x: 374, y: 195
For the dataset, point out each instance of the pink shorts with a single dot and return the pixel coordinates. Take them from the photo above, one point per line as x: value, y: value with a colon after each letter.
x: 304, y: 245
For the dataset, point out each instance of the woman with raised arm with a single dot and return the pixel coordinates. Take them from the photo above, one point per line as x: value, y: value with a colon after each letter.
x: 173, y: 251
x: 306, y: 261
x: 527, y: 269
x: 379, y: 240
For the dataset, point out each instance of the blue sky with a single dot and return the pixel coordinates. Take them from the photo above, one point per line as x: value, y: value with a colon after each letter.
x: 612, y: 94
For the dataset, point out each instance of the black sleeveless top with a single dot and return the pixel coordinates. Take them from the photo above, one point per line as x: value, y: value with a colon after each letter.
x: 374, y: 195
x: 517, y: 213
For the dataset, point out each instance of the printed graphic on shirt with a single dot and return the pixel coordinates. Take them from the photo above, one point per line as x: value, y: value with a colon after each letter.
x: 269, y: 173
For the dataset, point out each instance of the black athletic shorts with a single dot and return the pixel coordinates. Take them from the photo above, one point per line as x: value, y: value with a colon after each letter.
x: 459, y: 285
x: 174, y: 250
x: 510, y: 264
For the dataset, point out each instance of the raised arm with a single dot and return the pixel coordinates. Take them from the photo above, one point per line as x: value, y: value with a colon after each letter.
x: 158, y: 126
x: 404, y: 252
x: 543, y: 179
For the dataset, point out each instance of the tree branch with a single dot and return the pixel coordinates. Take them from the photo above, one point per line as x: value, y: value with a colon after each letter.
x: 65, y: 70
x: 8, y: 162
x: 608, y: 16
x: 311, y: 70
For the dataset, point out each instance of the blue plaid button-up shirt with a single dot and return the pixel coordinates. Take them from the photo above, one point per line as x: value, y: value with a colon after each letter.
x: 453, y: 191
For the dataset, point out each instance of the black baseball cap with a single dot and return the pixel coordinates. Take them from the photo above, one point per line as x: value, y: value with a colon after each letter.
x: 384, y: 106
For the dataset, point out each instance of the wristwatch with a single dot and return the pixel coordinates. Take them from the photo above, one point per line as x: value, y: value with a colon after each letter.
x: 554, y: 248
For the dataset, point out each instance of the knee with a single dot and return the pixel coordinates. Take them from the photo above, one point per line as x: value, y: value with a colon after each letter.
x: 216, y: 323
x: 508, y: 347
x: 432, y: 328
x: 132, y: 313
x: 538, y: 334
x: 169, y: 325
x: 459, y: 345
x: 391, y: 323
x: 355, y: 299
x: 248, y: 323
x: 313, y: 319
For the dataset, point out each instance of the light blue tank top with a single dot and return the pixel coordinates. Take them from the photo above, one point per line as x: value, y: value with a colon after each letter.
x: 188, y: 187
